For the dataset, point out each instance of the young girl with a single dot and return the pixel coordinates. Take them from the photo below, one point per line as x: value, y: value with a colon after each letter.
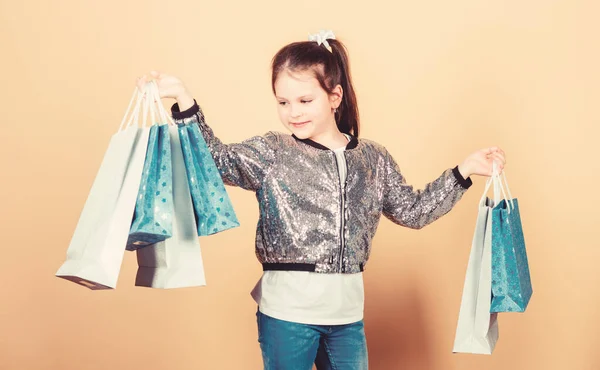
x: 321, y: 192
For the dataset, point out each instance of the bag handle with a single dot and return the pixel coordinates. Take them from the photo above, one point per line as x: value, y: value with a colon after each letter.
x: 146, y: 106
x: 133, y: 97
x: 132, y: 113
x: 141, y: 103
x: 510, y: 203
x: 498, y: 188
x: 166, y: 118
x: 508, y: 189
x: 148, y: 101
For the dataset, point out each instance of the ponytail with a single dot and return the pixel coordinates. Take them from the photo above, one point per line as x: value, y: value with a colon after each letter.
x: 347, y: 113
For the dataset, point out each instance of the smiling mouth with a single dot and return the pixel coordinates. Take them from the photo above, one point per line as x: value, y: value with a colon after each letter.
x: 299, y: 123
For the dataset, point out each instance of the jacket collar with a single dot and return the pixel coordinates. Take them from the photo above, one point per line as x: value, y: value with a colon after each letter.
x: 351, y: 144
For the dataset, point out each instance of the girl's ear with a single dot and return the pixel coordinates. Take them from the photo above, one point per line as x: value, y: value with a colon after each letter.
x: 335, y: 98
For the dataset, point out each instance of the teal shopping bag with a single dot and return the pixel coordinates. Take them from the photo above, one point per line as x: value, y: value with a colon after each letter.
x: 153, y: 215
x: 511, y: 281
x: 212, y: 207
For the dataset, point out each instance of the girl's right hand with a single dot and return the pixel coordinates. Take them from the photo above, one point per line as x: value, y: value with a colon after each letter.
x: 168, y: 87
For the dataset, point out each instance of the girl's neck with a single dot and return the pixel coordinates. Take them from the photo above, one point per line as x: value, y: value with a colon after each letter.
x: 331, y: 139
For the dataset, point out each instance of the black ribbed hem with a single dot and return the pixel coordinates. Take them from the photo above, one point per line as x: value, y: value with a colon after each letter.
x: 188, y: 113
x: 310, y: 267
x: 465, y: 183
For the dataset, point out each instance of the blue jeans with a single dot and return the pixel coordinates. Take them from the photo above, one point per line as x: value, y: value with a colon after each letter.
x: 288, y: 345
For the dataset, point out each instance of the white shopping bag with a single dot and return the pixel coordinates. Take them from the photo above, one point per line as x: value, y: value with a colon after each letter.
x: 97, y: 247
x: 177, y: 261
x: 477, y: 329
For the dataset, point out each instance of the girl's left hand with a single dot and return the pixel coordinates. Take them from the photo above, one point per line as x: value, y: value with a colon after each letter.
x: 481, y: 162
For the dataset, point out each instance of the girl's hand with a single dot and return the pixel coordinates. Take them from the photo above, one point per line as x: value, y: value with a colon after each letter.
x: 168, y: 87
x: 481, y: 162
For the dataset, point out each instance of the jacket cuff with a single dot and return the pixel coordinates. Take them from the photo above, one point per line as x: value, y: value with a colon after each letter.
x: 465, y: 183
x: 188, y: 113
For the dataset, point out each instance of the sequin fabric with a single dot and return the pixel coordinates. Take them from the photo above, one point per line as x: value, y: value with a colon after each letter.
x: 212, y: 207
x: 300, y: 196
x: 511, y: 282
x: 153, y: 215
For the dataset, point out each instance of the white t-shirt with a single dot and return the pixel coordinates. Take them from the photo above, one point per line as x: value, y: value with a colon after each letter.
x: 310, y: 297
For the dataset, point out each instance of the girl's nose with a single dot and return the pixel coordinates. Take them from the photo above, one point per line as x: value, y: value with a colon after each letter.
x: 295, y: 112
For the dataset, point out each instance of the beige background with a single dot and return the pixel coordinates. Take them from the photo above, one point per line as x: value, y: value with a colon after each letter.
x: 435, y: 80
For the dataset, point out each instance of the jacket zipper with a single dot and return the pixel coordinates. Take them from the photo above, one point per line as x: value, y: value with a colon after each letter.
x: 342, y: 212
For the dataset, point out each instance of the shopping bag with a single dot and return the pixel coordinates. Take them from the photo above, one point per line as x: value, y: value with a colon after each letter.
x: 511, y: 281
x: 212, y: 207
x: 152, y: 220
x: 477, y: 328
x: 177, y: 261
x: 96, y: 249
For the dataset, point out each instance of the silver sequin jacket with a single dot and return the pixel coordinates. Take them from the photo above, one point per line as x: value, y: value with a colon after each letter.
x: 309, y: 221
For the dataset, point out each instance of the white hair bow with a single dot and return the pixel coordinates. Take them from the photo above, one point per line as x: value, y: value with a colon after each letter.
x: 321, y: 38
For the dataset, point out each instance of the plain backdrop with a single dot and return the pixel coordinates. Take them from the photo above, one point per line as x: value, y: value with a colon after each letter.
x: 435, y: 81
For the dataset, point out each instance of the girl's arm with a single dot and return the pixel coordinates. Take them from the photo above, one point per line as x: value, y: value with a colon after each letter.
x: 243, y: 164
x: 418, y: 208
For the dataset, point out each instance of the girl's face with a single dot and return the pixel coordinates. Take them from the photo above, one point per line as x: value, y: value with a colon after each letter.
x: 304, y: 107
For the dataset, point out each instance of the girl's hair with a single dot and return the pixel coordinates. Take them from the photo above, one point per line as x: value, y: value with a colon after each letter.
x: 330, y: 69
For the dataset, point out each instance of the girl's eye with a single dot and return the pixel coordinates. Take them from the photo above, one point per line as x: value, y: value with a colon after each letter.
x: 281, y: 103
x: 306, y: 101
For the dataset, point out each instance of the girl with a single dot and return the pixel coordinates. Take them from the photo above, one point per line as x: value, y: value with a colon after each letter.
x: 321, y: 192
